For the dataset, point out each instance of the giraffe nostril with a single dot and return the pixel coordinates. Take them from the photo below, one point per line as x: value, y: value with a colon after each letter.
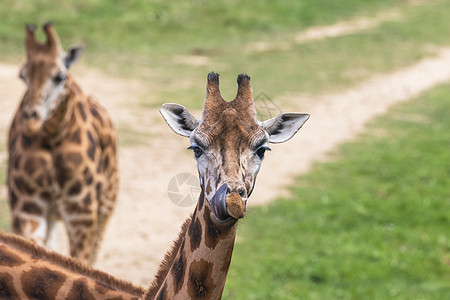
x: 241, y: 192
x: 31, y: 115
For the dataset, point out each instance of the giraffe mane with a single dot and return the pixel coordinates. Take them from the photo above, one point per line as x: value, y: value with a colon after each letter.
x: 70, y: 264
x: 167, y: 261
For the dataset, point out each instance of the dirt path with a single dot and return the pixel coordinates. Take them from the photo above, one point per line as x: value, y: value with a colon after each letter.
x: 146, y: 221
x: 347, y: 27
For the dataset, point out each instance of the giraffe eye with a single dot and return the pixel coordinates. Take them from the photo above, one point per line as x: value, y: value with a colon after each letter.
x: 261, y: 151
x: 59, y: 77
x: 197, y: 151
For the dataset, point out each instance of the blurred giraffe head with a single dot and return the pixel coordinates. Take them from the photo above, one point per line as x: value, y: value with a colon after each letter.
x: 45, y: 74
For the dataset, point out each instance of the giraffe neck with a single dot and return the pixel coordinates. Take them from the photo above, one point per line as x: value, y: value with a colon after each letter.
x: 198, y: 263
x: 28, y: 271
x: 63, y: 118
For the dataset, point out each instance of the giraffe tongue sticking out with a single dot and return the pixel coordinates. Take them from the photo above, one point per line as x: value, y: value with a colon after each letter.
x: 225, y: 206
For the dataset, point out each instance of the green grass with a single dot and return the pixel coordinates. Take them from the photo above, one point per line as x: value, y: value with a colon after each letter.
x: 149, y: 27
x: 5, y: 215
x: 371, y: 224
x: 140, y: 39
x: 324, y: 66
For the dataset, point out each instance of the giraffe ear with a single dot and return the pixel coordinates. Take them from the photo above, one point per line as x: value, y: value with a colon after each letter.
x: 72, y: 55
x: 179, y: 118
x: 284, y: 126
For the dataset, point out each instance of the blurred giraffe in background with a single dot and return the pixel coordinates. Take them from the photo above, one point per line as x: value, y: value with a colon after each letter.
x: 62, y: 152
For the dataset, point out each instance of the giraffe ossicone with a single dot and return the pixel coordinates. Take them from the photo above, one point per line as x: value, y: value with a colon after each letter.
x: 229, y: 145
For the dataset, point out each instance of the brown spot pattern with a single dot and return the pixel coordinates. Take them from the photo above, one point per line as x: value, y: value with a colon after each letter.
x: 23, y: 186
x: 213, y: 232
x: 80, y: 290
x: 82, y: 111
x: 91, y: 146
x: 6, y: 286
x: 12, y: 199
x: 87, y: 176
x: 201, y: 200
x: 200, y: 282
x: 87, y: 200
x: 178, y: 269
x: 45, y: 195
x: 75, y: 189
x: 16, y: 160
x: 85, y: 223
x: 26, y: 141
x: 76, y: 208
x: 14, y: 139
x: 75, y: 137
x: 106, y: 162
x: 31, y: 165
x: 16, y: 225
x: 74, y: 158
x: 208, y: 188
x: 32, y: 208
x: 40, y: 180
x: 98, y: 189
x: 102, y: 288
x: 63, y: 174
x: 9, y: 259
x: 100, y: 167
x: 195, y: 233
x: 96, y: 115
x: 42, y: 283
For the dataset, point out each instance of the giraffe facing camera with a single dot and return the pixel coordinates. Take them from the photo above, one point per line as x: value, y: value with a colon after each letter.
x: 229, y: 144
x: 62, y: 152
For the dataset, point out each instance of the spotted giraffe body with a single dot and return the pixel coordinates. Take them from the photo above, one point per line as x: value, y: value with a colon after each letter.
x: 28, y: 271
x: 62, y: 155
x: 229, y: 145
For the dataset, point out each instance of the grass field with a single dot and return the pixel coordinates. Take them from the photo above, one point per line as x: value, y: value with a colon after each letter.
x: 143, y: 40
x: 167, y: 27
x: 371, y: 224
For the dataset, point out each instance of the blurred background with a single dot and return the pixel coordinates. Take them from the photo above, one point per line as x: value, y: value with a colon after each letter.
x: 356, y: 206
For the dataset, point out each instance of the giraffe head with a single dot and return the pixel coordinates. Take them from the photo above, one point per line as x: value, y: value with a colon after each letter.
x: 45, y: 74
x: 229, y: 143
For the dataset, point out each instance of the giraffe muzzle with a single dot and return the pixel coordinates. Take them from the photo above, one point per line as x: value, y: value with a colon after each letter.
x: 31, y: 120
x: 227, y: 206
x: 31, y: 127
